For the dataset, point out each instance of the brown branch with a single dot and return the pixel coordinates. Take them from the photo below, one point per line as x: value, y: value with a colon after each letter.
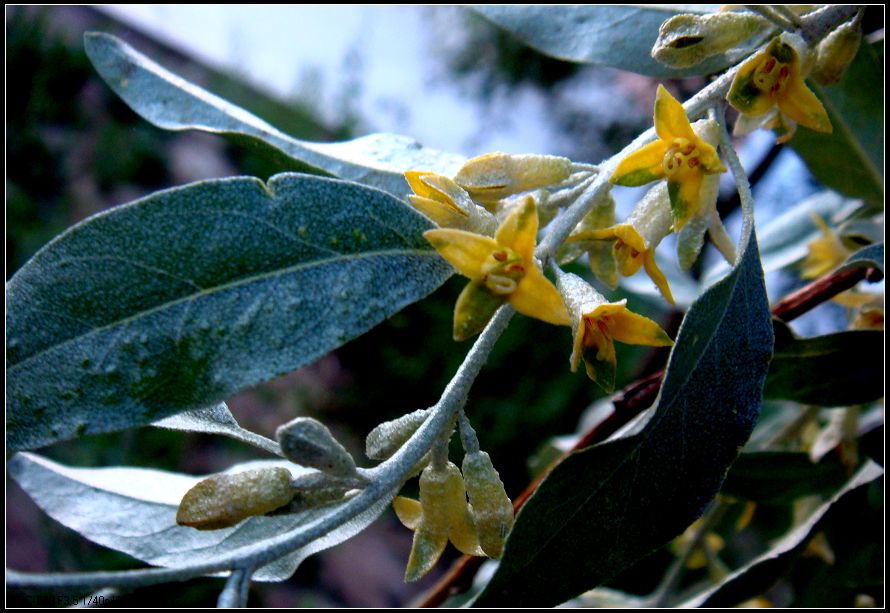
x: 821, y: 290
x: 633, y: 400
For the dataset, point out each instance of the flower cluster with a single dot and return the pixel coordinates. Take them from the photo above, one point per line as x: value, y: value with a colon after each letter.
x: 477, y: 528
x: 489, y: 214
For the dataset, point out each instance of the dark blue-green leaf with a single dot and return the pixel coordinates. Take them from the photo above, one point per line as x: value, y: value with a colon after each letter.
x: 780, y: 477
x: 832, y: 370
x: 617, y: 36
x: 605, y: 507
x: 172, y: 103
x: 851, y: 158
x: 176, y: 301
x: 761, y: 573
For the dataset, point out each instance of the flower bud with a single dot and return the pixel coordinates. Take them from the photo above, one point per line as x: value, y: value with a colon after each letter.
x: 442, y: 514
x: 388, y: 437
x: 491, y: 507
x: 224, y: 500
x: 687, y: 40
x: 835, y: 53
x: 493, y: 176
x: 308, y: 442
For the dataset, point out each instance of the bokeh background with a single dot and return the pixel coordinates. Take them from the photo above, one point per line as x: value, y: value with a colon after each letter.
x: 440, y: 74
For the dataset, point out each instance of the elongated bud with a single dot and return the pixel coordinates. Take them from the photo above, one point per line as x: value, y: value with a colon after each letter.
x: 223, y: 500
x: 388, y: 437
x: 835, y: 53
x: 491, y: 507
x: 687, y: 40
x: 493, y: 176
x: 308, y: 442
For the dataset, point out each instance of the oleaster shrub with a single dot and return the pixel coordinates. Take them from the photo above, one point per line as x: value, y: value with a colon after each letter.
x: 157, y: 311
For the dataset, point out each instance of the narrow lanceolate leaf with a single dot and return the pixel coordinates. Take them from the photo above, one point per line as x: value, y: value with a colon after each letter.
x: 851, y: 158
x: 216, y: 420
x: 172, y: 103
x: 618, y: 36
x: 133, y: 510
x: 832, y: 370
x: 761, y: 573
x: 179, y: 300
x: 780, y: 477
x: 605, y: 507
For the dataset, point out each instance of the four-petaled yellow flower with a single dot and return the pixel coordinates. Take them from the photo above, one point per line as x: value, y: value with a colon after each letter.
x: 679, y: 155
x: 501, y: 269
x: 772, y: 79
x: 597, y: 324
x: 442, y: 515
x: 637, y: 237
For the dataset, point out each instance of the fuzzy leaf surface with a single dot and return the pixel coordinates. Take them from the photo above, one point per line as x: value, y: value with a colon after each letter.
x: 179, y: 300
x: 172, y: 103
x: 133, y: 510
x: 617, y: 36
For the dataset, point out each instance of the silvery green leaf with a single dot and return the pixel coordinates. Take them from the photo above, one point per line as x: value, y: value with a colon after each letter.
x: 617, y: 36
x: 133, y: 510
x: 216, y: 420
x: 172, y: 103
x: 183, y: 298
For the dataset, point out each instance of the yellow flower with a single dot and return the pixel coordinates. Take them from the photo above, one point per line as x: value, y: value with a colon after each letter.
x: 597, y: 324
x: 770, y: 85
x: 447, y: 204
x: 824, y: 254
x: 636, y: 239
x: 679, y: 155
x: 441, y: 515
x: 501, y: 269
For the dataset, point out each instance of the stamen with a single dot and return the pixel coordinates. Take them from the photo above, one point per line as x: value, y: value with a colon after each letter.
x: 500, y: 285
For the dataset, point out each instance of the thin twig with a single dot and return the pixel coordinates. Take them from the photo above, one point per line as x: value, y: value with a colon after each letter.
x: 234, y: 594
x: 770, y: 14
x: 788, y: 14
x: 468, y: 437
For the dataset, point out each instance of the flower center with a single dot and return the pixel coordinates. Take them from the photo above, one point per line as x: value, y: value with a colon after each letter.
x: 595, y: 335
x: 681, y: 154
x: 627, y: 258
x: 502, y: 271
x: 771, y: 76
